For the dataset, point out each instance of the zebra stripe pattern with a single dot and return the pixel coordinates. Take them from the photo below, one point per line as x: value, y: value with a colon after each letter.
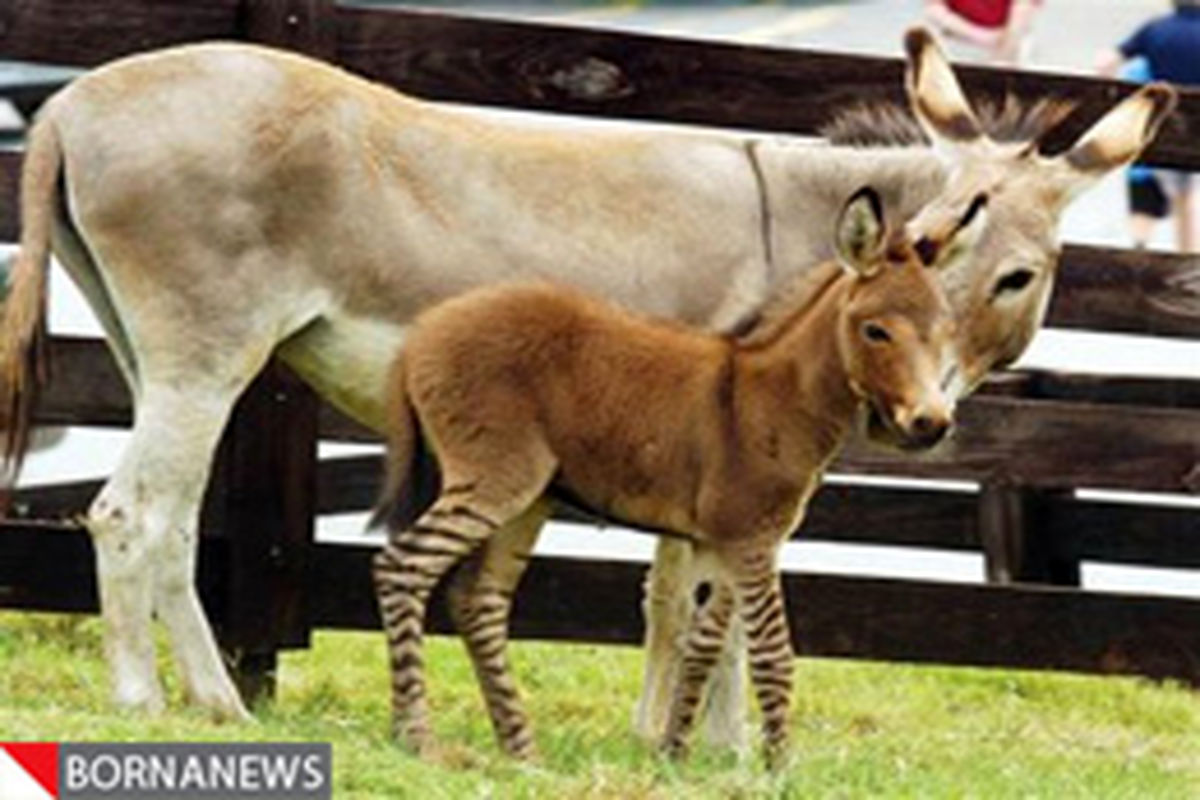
x: 405, y: 573
x: 480, y: 613
x: 758, y: 597
x: 771, y: 658
x: 705, y: 644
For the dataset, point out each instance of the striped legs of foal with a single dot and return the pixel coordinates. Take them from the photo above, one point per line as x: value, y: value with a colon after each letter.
x: 705, y: 645
x: 405, y: 573
x: 760, y: 602
x: 480, y: 600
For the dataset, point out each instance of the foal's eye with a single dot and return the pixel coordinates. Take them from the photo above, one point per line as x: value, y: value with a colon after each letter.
x: 1014, y: 281
x: 876, y: 333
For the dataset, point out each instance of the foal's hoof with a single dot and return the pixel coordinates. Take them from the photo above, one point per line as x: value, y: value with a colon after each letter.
x: 674, y: 750
x: 526, y: 752
x: 777, y: 758
x: 413, y: 738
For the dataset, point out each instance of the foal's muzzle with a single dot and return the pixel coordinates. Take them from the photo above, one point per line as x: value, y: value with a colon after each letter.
x: 922, y: 430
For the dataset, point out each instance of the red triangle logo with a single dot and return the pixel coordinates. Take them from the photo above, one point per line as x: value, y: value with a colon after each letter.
x: 39, y: 759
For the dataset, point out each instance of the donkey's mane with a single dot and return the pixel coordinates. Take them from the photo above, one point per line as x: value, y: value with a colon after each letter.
x: 891, y: 125
x: 777, y: 312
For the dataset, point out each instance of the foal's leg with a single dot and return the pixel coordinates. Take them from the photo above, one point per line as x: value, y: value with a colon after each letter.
x: 668, y: 607
x: 406, y: 571
x: 756, y: 583
x: 707, y: 639
x: 469, y: 510
x: 480, y: 601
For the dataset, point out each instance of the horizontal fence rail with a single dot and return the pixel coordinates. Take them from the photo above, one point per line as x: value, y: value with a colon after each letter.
x: 1028, y: 439
x: 1041, y: 441
x: 1111, y: 532
x: 923, y: 621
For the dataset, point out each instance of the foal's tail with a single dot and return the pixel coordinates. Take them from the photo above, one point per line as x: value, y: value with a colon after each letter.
x: 23, y: 327
x: 413, y: 479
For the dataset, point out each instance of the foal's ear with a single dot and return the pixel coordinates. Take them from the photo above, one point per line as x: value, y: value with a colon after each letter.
x: 860, y: 232
x: 1118, y: 137
x: 963, y: 237
x: 934, y: 94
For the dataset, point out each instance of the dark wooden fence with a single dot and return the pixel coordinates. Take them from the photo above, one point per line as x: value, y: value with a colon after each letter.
x: 1029, y: 438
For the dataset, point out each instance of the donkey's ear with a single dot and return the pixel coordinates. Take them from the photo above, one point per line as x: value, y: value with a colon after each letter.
x: 860, y: 232
x: 1118, y: 138
x: 933, y: 92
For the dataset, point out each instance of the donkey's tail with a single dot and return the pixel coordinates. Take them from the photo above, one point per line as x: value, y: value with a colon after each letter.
x: 23, y: 327
x: 412, y: 480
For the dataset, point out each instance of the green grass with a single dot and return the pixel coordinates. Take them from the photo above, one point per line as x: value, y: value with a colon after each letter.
x: 861, y: 730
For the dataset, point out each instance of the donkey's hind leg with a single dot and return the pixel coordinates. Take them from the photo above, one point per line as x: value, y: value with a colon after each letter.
x: 143, y: 525
x: 480, y: 597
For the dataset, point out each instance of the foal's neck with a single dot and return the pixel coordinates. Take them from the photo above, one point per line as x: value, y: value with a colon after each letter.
x: 794, y: 372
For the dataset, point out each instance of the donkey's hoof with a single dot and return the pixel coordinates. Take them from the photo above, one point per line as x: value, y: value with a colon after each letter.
x: 146, y: 700
x: 646, y: 725
x: 221, y: 707
x: 230, y: 713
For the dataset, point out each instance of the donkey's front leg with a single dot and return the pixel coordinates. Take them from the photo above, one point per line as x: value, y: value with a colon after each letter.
x: 668, y: 607
x: 724, y: 722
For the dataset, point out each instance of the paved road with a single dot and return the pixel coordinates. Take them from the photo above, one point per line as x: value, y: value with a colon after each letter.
x: 1069, y: 32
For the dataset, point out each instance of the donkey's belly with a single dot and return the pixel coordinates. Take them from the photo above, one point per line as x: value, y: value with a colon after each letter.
x: 346, y: 361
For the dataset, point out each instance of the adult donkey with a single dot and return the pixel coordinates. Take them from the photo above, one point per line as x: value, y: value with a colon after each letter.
x: 219, y: 203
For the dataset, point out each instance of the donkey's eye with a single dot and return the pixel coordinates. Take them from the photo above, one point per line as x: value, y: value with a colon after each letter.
x: 876, y: 333
x: 1014, y: 281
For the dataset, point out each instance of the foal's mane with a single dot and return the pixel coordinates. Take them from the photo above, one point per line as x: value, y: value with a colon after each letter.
x: 781, y: 308
x: 892, y: 125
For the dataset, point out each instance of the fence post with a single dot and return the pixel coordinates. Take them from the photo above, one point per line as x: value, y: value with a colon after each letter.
x: 1020, y: 543
x: 263, y: 509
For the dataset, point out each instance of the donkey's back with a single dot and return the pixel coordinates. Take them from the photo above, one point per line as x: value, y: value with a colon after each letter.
x: 279, y: 196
